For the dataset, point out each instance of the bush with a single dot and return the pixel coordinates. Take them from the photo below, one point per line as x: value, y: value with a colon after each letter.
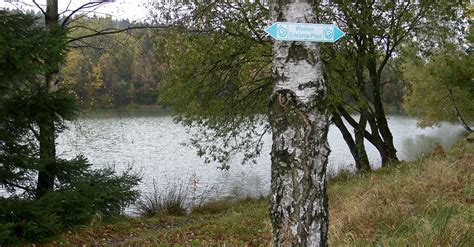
x: 26, y: 220
x: 77, y: 201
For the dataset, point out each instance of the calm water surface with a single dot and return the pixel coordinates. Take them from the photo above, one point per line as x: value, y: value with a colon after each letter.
x: 154, y: 146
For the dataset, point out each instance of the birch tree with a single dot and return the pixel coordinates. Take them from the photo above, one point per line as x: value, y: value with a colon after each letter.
x: 299, y: 121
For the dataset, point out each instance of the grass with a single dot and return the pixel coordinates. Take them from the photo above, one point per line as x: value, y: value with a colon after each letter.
x: 171, y: 202
x: 421, y: 203
x: 426, y: 203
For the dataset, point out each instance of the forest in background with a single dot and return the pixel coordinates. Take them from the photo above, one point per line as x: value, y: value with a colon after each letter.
x: 123, y: 70
x: 111, y: 71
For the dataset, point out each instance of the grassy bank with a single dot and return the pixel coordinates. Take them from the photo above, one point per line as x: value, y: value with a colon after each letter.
x: 423, y: 203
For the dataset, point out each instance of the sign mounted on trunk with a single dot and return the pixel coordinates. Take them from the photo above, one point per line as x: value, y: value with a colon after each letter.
x: 287, y: 31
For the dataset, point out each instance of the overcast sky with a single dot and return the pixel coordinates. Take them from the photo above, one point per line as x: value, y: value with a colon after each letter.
x: 133, y: 10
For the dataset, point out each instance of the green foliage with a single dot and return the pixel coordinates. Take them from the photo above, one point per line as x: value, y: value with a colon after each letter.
x: 82, y: 195
x: 26, y: 221
x: 25, y: 102
x: 439, y: 79
x: 441, y: 88
x: 20, y: 114
x: 376, y: 33
x: 24, y: 46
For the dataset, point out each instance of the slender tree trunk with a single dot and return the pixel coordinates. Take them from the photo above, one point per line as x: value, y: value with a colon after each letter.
x: 360, y: 156
x: 390, y: 153
x: 46, y: 126
x: 457, y: 113
x: 363, y: 164
x: 377, y: 140
x: 299, y: 120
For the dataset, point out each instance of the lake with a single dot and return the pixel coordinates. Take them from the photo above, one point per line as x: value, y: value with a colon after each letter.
x: 154, y: 146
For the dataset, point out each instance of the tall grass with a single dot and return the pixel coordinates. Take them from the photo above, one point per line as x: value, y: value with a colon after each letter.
x: 170, y: 201
x: 177, y: 198
x: 422, y: 203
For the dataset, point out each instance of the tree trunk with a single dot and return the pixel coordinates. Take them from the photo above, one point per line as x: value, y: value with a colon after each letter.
x: 46, y: 126
x: 457, y: 113
x: 47, y: 146
x: 360, y: 155
x: 299, y: 120
x: 389, y: 153
x: 378, y: 142
x: 374, y: 137
x: 363, y: 164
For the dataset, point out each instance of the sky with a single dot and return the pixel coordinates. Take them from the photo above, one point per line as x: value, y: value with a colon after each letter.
x: 134, y: 10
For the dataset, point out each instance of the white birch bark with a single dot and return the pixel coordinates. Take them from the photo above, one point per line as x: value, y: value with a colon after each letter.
x: 299, y: 120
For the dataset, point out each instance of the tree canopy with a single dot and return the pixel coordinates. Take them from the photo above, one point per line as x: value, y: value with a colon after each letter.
x: 441, y: 88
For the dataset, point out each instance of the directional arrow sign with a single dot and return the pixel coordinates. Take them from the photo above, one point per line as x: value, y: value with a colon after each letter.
x: 304, y: 32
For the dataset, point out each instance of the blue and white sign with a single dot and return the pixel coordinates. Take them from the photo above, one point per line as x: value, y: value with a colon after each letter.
x: 288, y: 31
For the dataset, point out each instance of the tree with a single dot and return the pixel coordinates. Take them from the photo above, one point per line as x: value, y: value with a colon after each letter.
x: 46, y: 128
x: 224, y: 89
x: 19, y: 69
x: 376, y: 33
x: 126, y: 62
x: 80, y: 192
x: 441, y: 88
x: 299, y: 121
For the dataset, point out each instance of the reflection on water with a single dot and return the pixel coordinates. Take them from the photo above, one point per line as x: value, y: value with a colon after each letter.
x: 153, y: 145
